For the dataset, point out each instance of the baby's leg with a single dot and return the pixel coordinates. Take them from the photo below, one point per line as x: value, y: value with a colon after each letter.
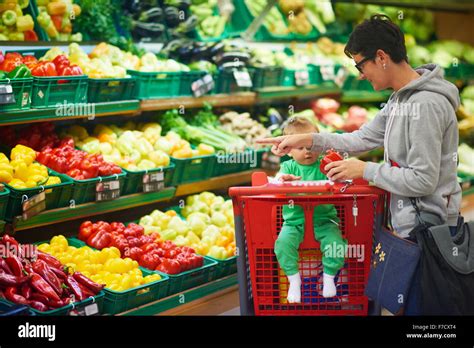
x: 333, y: 248
x: 286, y: 251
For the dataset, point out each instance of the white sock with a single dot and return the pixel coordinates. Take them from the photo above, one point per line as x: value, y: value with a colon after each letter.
x: 329, y: 288
x: 294, y: 292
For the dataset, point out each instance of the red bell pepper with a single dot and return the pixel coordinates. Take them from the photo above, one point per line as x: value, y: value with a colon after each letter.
x: 169, y: 266
x: 44, y: 69
x: 30, y: 61
x: 42, y: 286
x: 150, y: 261
x: 100, y: 240
x: 30, y: 35
x: 331, y: 156
x: 134, y: 253
x: 85, y: 230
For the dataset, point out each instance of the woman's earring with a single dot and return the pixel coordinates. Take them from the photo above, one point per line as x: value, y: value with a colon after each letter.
x: 384, y: 66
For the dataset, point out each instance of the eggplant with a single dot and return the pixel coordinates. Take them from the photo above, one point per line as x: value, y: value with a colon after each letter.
x: 172, y: 16
x: 137, y: 6
x: 154, y: 14
x: 188, y: 25
x: 152, y: 30
x: 232, y: 57
x: 216, y: 49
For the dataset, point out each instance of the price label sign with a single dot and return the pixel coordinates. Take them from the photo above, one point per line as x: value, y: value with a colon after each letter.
x: 6, y: 94
x: 203, y: 85
x: 153, y: 182
x: 242, y: 78
x: 34, y: 205
x: 302, y: 77
x: 106, y: 191
x: 86, y: 311
x: 341, y: 76
x: 327, y: 72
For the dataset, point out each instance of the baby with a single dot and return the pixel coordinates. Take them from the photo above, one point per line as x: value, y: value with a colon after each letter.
x: 305, y: 166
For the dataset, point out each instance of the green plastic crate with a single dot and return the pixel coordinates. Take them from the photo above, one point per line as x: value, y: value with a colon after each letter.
x: 193, y: 278
x: 21, y: 91
x: 84, y: 191
x: 225, y: 82
x: 352, y: 83
x: 223, y: 163
x: 57, y: 196
x: 151, y: 85
x: 289, y: 78
x: 187, y: 79
x: 66, y: 310
x: 121, y: 301
x: 110, y: 89
x: 4, y: 197
x: 193, y: 169
x: 267, y: 77
x: 58, y: 90
x: 225, y: 267
x: 134, y: 180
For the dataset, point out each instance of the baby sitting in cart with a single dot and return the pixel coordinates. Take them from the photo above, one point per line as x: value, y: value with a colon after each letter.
x: 304, y: 166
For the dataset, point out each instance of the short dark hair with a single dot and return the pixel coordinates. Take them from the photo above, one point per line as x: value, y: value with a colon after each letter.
x: 378, y: 32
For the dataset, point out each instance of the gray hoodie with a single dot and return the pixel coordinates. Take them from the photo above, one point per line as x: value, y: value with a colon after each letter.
x: 418, y: 130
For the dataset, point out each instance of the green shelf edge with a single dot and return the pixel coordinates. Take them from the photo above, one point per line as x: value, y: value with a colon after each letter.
x: 88, y: 209
x: 365, y: 96
x: 289, y: 92
x: 190, y: 295
x: 38, y: 115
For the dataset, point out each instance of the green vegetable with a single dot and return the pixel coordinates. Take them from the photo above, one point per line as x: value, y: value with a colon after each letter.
x: 3, y: 75
x: 3, y: 37
x: 19, y: 72
x: 9, y: 17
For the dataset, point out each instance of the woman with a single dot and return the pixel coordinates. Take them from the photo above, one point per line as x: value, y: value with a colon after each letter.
x: 417, y: 128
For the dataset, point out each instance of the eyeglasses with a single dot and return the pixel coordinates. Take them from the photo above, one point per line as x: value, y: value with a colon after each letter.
x: 362, y: 62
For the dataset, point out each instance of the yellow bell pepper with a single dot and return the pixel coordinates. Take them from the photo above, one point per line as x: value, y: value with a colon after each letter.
x: 24, y: 23
x: 17, y: 183
x: 5, y: 176
x: 23, y: 152
x: 4, y: 158
x: 6, y: 166
x: 53, y: 180
x: 21, y: 171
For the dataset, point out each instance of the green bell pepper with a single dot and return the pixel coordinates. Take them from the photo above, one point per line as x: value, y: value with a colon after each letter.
x: 19, y: 72
x: 3, y: 75
x: 9, y: 17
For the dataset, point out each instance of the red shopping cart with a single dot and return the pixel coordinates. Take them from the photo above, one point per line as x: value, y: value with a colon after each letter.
x: 258, y: 220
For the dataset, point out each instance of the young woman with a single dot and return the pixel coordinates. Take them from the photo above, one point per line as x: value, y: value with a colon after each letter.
x: 417, y: 128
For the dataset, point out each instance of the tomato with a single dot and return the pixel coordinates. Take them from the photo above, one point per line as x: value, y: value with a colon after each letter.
x: 331, y: 156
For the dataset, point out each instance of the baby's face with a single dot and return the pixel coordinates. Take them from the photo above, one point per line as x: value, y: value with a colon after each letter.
x: 304, y: 156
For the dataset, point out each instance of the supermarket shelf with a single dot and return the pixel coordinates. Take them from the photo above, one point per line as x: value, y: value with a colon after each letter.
x: 365, y: 96
x: 218, y: 182
x: 126, y: 107
x: 184, y: 297
x: 237, y: 99
x: 272, y: 93
x: 90, y: 209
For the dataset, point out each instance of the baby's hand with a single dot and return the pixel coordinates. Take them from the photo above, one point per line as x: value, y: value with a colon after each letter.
x: 289, y: 177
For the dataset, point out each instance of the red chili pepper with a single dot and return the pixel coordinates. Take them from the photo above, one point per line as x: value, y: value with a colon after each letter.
x: 50, y: 260
x: 38, y: 306
x: 331, y: 156
x: 15, y: 265
x: 60, y: 273
x: 74, y: 288
x: 12, y: 295
x: 43, y: 287
x: 93, y: 286
x: 26, y: 291
x: 11, y: 280
x: 41, y: 268
x: 43, y: 299
x: 4, y: 266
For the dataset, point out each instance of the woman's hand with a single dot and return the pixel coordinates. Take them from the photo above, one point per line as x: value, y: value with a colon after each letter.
x: 284, y: 144
x: 345, y: 170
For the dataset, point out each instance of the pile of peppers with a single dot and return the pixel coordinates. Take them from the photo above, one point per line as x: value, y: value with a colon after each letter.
x: 39, y: 280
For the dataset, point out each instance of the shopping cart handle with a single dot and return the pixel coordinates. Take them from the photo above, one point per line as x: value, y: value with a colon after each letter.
x: 260, y: 185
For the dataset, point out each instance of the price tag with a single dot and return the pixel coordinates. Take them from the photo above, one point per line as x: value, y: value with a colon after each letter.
x: 87, y: 311
x: 106, y: 191
x: 327, y: 72
x: 301, y: 77
x: 6, y: 94
x: 34, y: 205
x: 153, y: 182
x: 270, y: 161
x: 242, y: 78
x: 6, y: 89
x: 203, y: 85
x: 341, y: 76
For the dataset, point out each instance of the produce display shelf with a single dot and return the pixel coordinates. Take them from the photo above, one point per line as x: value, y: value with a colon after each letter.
x: 237, y: 99
x: 184, y: 297
x: 461, y: 5
x: 90, y: 209
x: 365, y: 96
x: 218, y: 182
x: 271, y: 93
x: 73, y: 111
